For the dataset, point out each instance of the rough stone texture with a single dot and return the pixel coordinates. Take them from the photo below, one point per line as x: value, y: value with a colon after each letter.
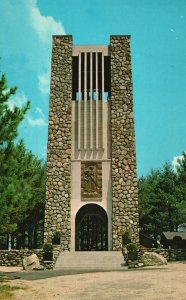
x: 58, y: 187
x: 50, y: 264
x: 176, y: 254
x: 166, y: 253
x: 169, y: 254
x: 124, y: 178
x: 153, y: 259
x: 15, y: 257
x: 31, y: 262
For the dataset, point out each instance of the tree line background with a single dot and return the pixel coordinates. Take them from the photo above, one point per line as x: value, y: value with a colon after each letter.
x: 162, y: 193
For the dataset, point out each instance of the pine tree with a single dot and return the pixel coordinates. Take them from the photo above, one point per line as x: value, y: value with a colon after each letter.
x: 9, y: 119
x: 162, y: 199
x: 9, y: 122
x: 22, y: 175
x: 181, y: 187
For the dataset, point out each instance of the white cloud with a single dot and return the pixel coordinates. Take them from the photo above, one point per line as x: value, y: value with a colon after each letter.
x: 26, y: 33
x: 172, y: 30
x: 37, y: 122
x: 175, y: 161
x: 45, y: 26
x: 44, y: 83
x: 19, y: 100
x: 39, y: 111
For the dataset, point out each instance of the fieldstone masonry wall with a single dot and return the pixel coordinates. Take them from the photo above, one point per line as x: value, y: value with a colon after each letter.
x: 15, y: 257
x: 169, y: 254
x: 124, y: 180
x: 58, y: 187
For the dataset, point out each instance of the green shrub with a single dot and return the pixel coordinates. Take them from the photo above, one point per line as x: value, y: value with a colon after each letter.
x: 126, y: 238
x: 56, y: 238
x: 131, y: 247
x: 48, y: 248
x: 57, y: 234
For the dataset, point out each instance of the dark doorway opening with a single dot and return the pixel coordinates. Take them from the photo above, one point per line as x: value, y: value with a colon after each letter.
x: 91, y: 228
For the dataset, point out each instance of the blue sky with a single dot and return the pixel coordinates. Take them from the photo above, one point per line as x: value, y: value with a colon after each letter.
x: 158, y: 43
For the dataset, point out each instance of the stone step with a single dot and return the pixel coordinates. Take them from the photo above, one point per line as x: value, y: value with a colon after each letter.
x: 89, y: 260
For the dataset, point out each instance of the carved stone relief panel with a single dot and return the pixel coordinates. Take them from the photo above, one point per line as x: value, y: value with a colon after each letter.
x: 91, y: 180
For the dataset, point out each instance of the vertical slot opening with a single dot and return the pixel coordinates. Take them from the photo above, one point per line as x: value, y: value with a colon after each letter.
x: 88, y: 76
x: 107, y: 77
x: 82, y: 74
x: 75, y: 62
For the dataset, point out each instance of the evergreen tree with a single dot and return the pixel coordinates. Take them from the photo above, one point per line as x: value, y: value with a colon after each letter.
x: 181, y: 187
x: 9, y: 119
x: 22, y: 175
x: 162, y: 199
x: 9, y: 122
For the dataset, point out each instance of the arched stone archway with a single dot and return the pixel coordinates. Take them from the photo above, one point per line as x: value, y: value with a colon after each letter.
x: 91, y: 228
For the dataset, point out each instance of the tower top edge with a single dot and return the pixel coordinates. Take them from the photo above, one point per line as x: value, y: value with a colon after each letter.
x: 120, y: 35
x: 90, y: 48
x: 111, y: 36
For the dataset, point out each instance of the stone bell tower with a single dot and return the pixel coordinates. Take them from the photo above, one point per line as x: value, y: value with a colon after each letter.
x: 91, y: 189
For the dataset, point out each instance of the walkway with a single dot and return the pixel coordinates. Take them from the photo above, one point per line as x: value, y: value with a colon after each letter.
x: 167, y: 283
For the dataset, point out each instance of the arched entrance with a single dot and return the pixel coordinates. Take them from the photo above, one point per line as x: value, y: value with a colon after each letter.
x: 91, y: 228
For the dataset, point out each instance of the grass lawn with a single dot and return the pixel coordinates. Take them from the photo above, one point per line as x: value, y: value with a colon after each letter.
x: 6, y: 291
